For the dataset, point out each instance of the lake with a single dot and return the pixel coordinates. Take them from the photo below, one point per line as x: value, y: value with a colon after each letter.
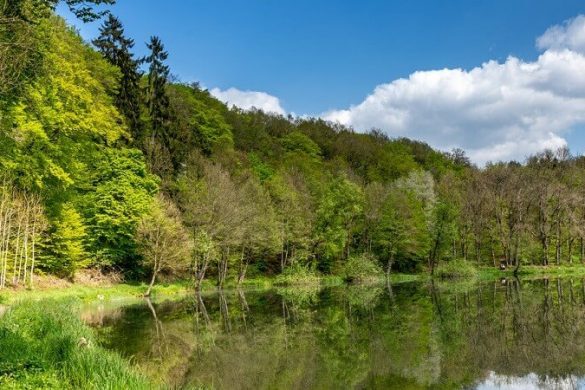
x: 499, y: 334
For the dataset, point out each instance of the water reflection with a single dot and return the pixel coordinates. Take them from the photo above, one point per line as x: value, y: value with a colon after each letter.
x: 502, y: 334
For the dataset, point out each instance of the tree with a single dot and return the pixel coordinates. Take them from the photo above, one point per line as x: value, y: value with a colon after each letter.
x: 122, y: 193
x: 23, y: 43
x: 294, y: 208
x: 156, y: 95
x: 212, y: 208
x: 260, y: 236
x: 338, y: 210
x: 67, y: 250
x: 401, y: 229
x: 115, y: 47
x: 162, y: 240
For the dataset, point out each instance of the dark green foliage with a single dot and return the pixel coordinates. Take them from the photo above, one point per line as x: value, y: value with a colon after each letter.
x: 115, y: 47
x: 157, y: 99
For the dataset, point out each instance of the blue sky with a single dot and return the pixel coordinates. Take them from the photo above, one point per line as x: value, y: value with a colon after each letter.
x: 318, y: 57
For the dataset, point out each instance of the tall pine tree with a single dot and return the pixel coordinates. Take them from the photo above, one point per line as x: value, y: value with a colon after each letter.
x: 156, y: 94
x: 115, y: 47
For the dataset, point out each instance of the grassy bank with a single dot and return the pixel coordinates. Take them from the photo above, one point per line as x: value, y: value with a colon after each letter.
x: 535, y: 271
x: 44, y: 345
x: 179, y: 288
x: 122, y: 291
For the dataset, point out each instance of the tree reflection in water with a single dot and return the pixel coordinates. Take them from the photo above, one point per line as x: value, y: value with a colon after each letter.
x: 502, y: 334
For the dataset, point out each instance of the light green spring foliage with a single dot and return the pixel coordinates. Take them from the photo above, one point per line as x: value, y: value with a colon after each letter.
x: 64, y: 112
x: 123, y: 192
x: 65, y: 143
x: 68, y: 233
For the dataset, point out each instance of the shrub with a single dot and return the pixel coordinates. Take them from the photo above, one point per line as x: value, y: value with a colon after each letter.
x: 297, y: 274
x: 361, y: 268
x: 456, y: 269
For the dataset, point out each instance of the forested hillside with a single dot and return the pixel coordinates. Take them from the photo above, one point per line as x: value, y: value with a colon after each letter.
x: 107, y: 163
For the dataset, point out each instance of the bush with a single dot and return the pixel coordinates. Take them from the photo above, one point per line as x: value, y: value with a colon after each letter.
x: 296, y: 274
x: 361, y: 268
x: 456, y: 269
x: 44, y: 345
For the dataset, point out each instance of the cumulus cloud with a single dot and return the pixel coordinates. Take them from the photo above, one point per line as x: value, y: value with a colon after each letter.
x: 249, y: 99
x: 569, y: 35
x: 496, y: 111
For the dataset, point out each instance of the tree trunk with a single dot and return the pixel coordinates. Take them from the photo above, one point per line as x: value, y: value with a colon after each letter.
x: 558, y: 247
x: 389, y: 265
x: 544, y: 242
x: 243, y: 267
x: 153, y: 279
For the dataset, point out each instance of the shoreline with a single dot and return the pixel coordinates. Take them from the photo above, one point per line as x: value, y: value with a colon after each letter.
x: 169, y: 290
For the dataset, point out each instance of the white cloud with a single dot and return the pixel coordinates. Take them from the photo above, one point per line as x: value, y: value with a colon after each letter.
x: 569, y: 35
x: 497, y: 111
x: 249, y: 99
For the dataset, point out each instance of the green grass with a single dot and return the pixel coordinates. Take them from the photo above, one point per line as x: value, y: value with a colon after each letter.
x: 44, y: 345
x: 93, y: 293
x: 534, y: 271
x: 446, y: 271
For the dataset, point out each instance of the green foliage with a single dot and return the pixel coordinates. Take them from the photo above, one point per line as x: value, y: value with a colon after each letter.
x: 197, y: 123
x: 338, y: 209
x: 361, y: 268
x: 44, y: 345
x: 115, y: 47
x: 262, y: 170
x: 157, y: 99
x: 66, y: 250
x: 297, y: 274
x: 297, y: 142
x: 256, y: 190
x: 456, y: 269
x: 123, y: 192
x: 62, y: 115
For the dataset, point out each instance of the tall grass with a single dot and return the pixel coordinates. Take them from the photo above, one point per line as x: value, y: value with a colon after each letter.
x: 44, y: 345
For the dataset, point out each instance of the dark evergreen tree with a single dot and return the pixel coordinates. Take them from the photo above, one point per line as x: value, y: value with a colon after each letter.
x: 156, y: 94
x: 115, y: 47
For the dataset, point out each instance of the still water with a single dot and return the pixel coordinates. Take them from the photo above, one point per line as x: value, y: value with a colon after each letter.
x: 506, y: 334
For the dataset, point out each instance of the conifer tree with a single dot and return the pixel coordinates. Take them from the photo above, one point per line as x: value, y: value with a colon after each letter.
x: 156, y: 94
x: 115, y: 47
